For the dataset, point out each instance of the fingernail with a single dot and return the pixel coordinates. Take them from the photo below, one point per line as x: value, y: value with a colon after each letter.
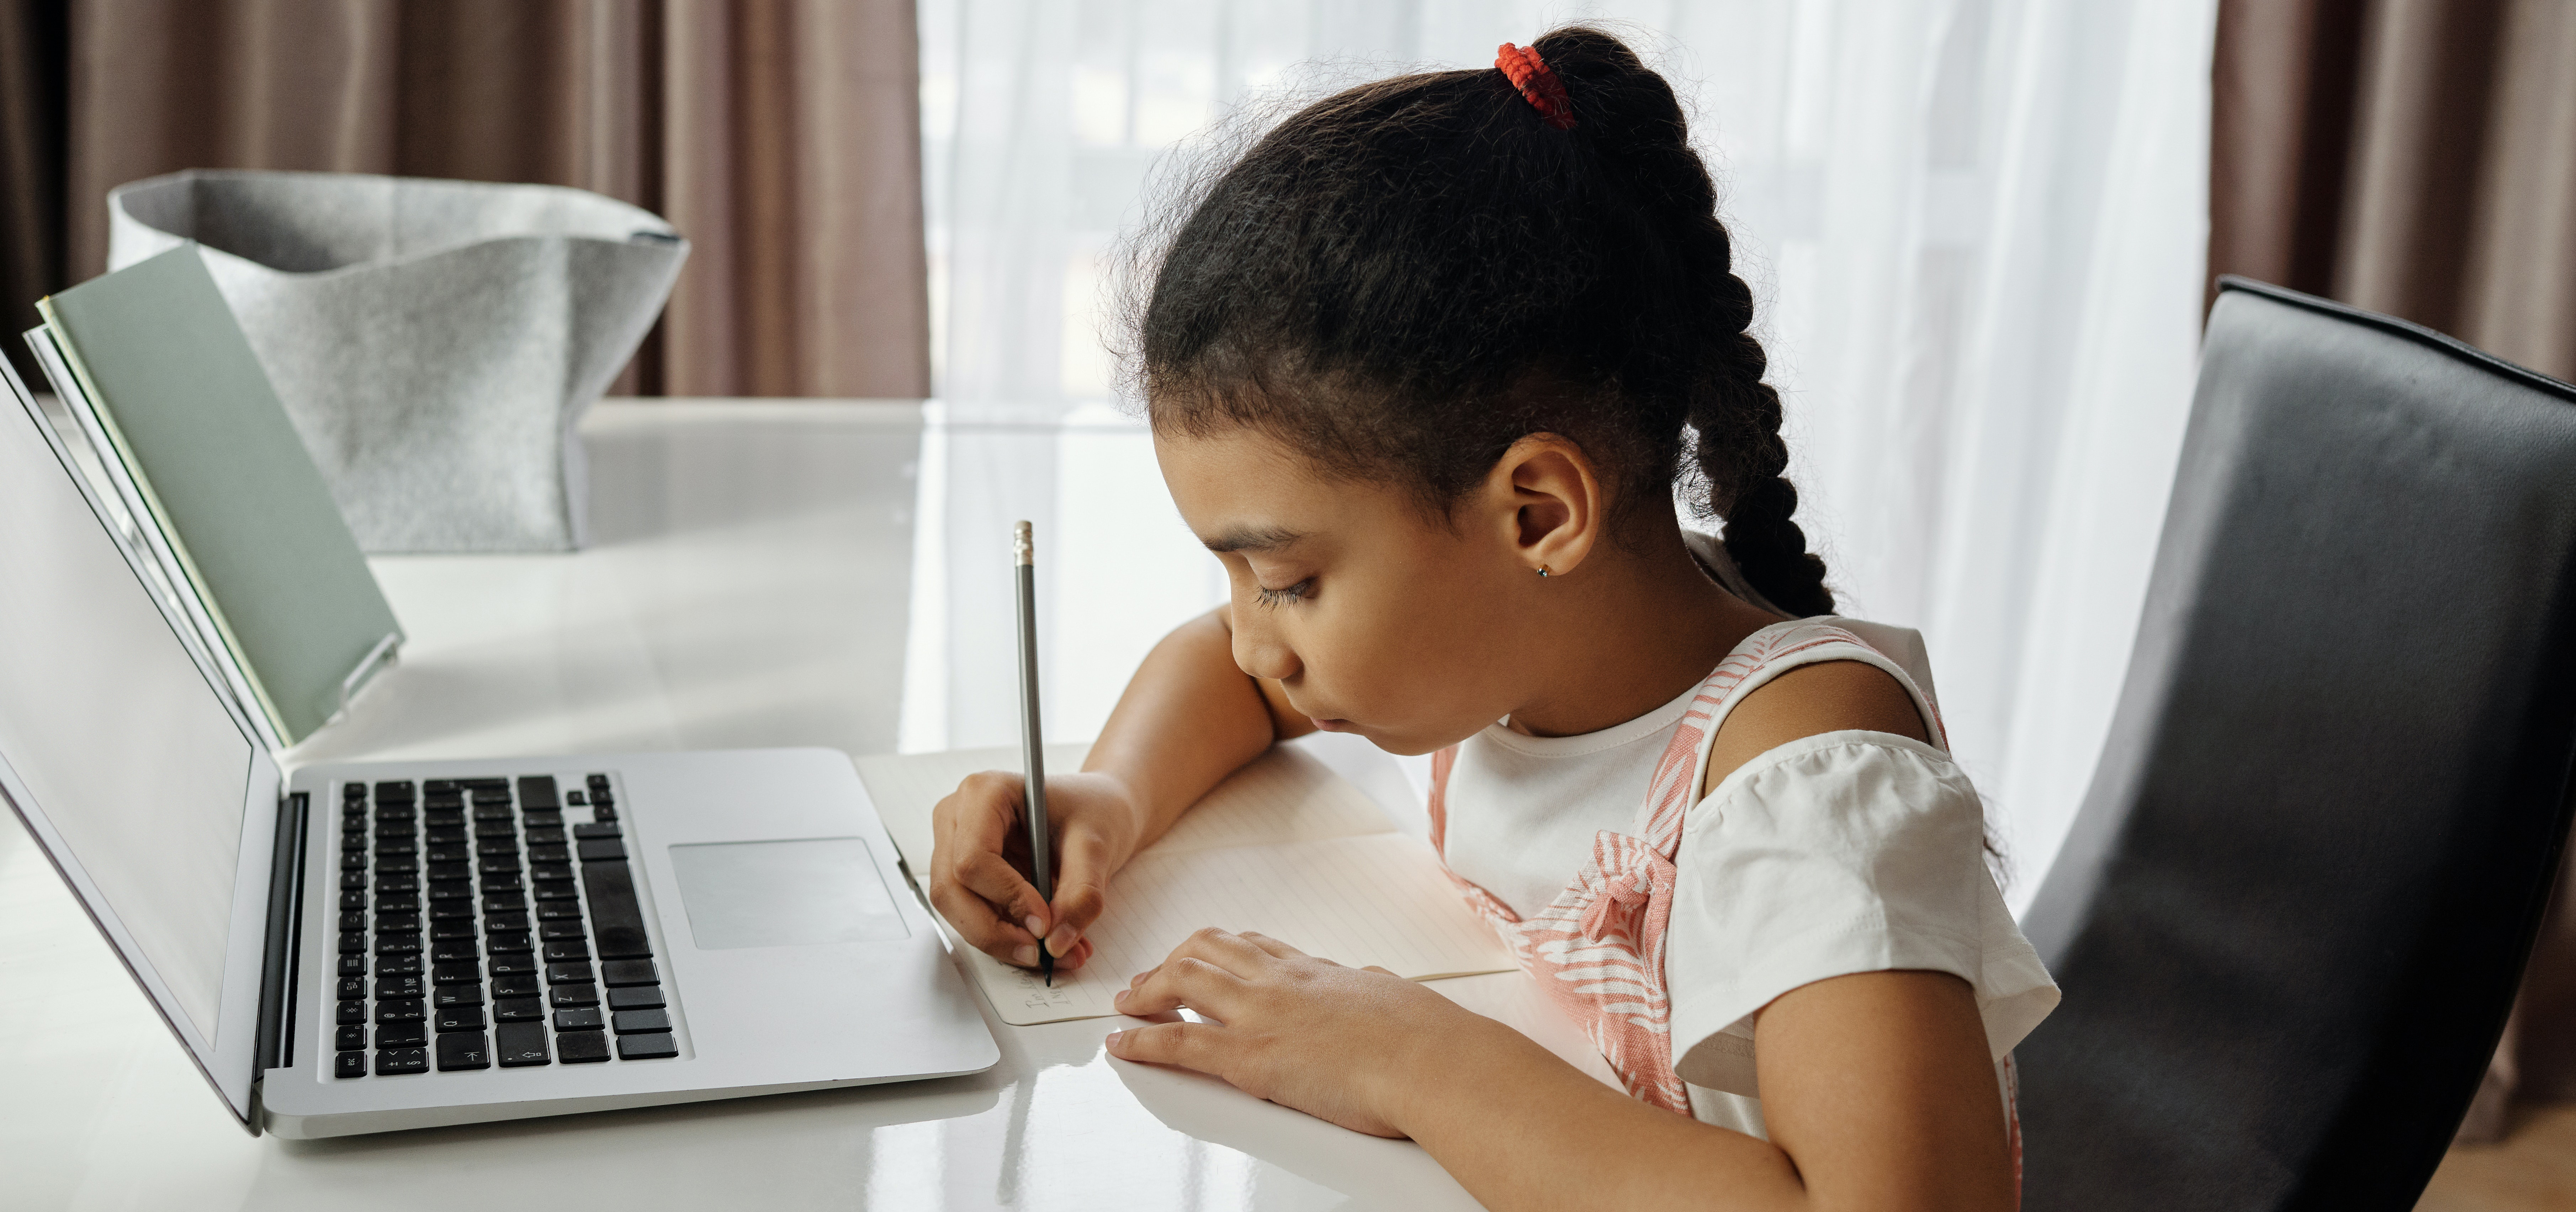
x: 1112, y: 1041
x: 1035, y: 926
x: 1061, y: 942
x: 1025, y: 956
x: 1119, y: 1000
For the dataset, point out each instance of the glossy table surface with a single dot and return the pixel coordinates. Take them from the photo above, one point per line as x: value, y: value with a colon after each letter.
x: 762, y: 573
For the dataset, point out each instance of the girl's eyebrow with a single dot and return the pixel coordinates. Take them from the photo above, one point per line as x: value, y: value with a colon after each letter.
x: 1270, y: 538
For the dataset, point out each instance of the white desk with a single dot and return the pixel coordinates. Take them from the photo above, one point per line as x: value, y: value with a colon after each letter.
x: 798, y: 573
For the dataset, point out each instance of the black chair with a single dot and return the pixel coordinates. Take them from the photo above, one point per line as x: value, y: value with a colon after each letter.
x: 2293, y: 912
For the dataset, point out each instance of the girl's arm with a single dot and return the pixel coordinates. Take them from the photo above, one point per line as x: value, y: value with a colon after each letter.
x: 1876, y: 1088
x: 1187, y: 719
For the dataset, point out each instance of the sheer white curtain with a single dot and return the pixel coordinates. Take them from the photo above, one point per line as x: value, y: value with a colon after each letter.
x: 1976, y: 228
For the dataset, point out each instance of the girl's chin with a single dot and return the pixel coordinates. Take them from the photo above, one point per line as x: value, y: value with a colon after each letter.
x: 1337, y: 725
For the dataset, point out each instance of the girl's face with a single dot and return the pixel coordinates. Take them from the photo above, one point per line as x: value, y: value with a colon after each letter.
x: 1374, y: 617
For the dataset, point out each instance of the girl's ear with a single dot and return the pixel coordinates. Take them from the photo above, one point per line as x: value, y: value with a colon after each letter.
x: 1555, y: 502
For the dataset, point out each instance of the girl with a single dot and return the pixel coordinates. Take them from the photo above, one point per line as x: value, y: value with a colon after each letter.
x: 1423, y: 368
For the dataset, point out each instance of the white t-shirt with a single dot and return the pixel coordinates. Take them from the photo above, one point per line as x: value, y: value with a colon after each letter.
x: 1839, y: 853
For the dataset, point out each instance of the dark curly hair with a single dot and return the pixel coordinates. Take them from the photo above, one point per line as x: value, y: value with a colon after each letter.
x: 1404, y: 278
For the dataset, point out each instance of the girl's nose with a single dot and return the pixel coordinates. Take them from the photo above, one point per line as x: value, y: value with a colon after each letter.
x: 1258, y: 649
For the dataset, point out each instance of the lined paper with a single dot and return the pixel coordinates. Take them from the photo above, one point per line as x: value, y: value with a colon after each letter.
x: 1285, y: 847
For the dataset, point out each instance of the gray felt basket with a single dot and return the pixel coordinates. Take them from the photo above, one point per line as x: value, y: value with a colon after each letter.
x: 435, y: 342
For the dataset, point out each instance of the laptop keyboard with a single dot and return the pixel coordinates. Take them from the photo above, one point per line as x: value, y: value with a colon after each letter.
x: 466, y: 939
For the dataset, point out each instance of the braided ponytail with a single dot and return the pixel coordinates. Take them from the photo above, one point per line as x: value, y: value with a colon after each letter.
x: 1407, y: 277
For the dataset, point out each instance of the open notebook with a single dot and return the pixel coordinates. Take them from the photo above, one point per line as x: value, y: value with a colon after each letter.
x: 1285, y: 847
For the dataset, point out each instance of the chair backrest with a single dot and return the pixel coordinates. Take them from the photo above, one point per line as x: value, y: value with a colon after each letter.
x: 2292, y: 914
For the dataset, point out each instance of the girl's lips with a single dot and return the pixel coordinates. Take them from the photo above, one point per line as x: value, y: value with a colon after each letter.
x: 1334, y: 725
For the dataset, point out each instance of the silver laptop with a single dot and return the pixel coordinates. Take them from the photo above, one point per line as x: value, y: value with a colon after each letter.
x: 365, y: 947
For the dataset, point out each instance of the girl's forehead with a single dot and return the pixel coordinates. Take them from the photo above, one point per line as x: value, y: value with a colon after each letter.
x: 1243, y: 490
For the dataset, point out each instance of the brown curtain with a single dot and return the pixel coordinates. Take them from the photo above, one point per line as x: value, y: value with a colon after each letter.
x: 2418, y: 157
x: 780, y: 136
x: 2414, y: 157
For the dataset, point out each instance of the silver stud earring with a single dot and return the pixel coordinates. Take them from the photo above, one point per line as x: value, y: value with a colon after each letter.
x: 1542, y: 570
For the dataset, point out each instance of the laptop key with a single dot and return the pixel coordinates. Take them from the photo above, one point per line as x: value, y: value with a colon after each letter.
x: 454, y: 974
x: 552, y: 931
x: 537, y: 790
x: 542, y: 820
x: 523, y: 984
x: 353, y: 942
x: 400, y: 986
x: 454, y: 951
x: 593, y: 850
x: 349, y: 1038
x: 404, y: 943
x: 636, y: 997
x: 355, y: 898
x: 402, y: 1035
x: 398, y: 965
x: 559, y: 911
x: 581, y: 1047
x: 352, y: 1012
x: 398, y: 865
x: 548, y: 837
x: 390, y: 1061
x: 398, y: 891
x: 352, y: 989
x: 388, y: 901
x: 513, y: 941
x: 641, y: 1022
x: 506, y: 921
x: 519, y: 1044
x: 399, y: 1010
x: 352, y: 921
x: 394, y: 789
x: 504, y: 902
x: 562, y: 950
x: 349, y: 1064
x: 464, y: 1050
x: 518, y: 1010
x: 647, y: 1047
x: 508, y: 884
x: 353, y: 881
x: 460, y: 1018
x: 504, y: 846
x: 574, y: 995
x: 403, y: 922
x: 353, y: 965
x: 595, y: 830
x: 615, y: 914
x: 448, y: 873
x: 445, y: 927
x: 498, y: 864
x: 622, y: 973
x: 555, y: 852
x: 453, y: 892
x: 493, y: 812
x: 556, y: 891
x: 456, y: 995
x: 504, y: 964
x: 577, y: 973
x: 453, y: 852
x: 545, y: 873
x: 354, y: 861
x: 445, y: 835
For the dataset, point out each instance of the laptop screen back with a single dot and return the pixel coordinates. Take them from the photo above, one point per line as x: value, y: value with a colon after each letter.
x: 112, y: 729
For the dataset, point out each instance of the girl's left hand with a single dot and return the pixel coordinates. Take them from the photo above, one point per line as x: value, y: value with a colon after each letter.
x: 1341, y: 1044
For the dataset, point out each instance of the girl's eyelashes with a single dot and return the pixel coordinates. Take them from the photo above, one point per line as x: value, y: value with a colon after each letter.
x: 1281, y: 597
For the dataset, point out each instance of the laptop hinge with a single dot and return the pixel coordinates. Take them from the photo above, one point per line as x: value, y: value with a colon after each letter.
x: 278, y: 953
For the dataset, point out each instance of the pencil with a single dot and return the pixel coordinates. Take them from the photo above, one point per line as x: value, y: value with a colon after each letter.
x: 1032, y: 743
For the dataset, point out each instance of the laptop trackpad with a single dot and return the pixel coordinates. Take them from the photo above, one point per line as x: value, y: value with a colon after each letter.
x: 784, y: 894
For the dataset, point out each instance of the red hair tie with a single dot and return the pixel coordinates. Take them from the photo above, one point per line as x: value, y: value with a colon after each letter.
x: 1537, y: 83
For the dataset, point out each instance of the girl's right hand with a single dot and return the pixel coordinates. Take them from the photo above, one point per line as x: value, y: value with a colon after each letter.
x: 980, y: 863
